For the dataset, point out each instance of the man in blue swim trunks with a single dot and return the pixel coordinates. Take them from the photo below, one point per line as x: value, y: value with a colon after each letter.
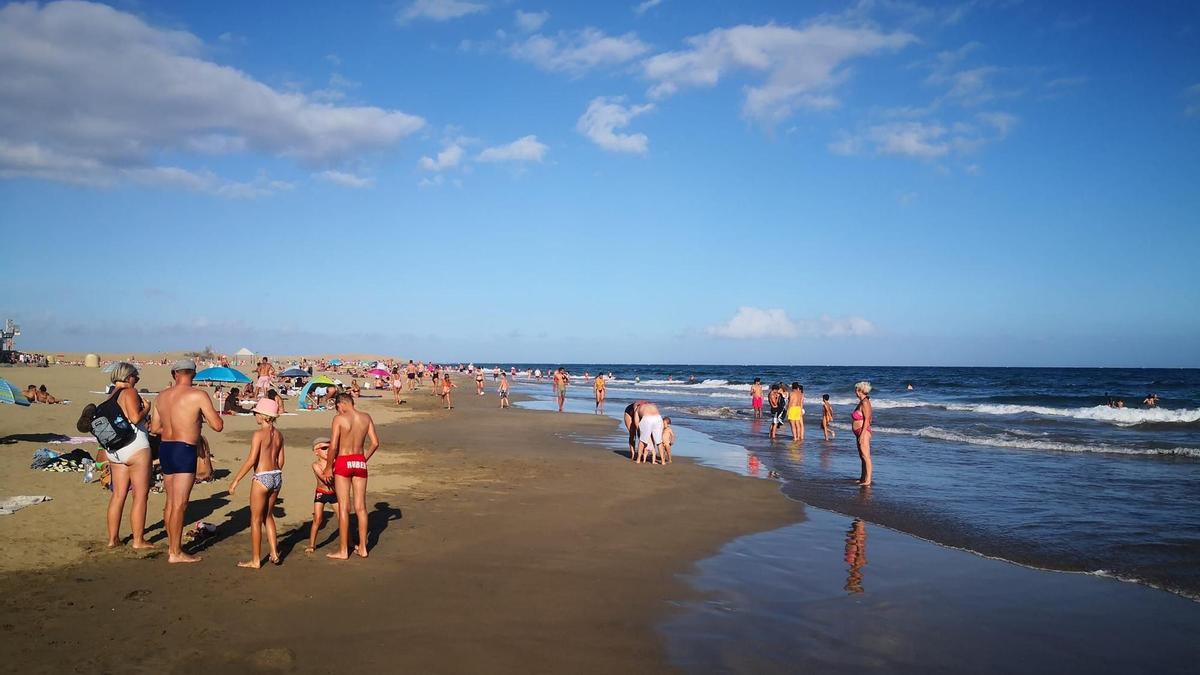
x: 176, y: 418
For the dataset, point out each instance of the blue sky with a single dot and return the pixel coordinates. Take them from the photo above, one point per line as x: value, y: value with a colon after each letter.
x: 880, y: 182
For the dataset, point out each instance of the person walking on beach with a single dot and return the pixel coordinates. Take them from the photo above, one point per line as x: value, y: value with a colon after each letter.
x: 265, y: 372
x: 130, y: 464
x: 479, y: 382
x: 397, y: 385
x: 266, y: 458
x: 349, y: 452
x: 827, y: 417
x: 411, y: 371
x: 756, y: 398
x: 560, y: 387
x: 795, y: 411
x: 176, y: 418
x: 860, y: 423
x: 447, y: 385
x: 598, y: 387
x: 503, y: 390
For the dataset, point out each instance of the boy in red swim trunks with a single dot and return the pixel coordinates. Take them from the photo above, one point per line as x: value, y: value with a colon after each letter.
x: 351, y: 430
x: 324, y: 494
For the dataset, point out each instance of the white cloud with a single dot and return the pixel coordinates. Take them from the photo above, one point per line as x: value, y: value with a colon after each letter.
x: 604, y: 116
x: 751, y: 323
x: 926, y: 140
x: 448, y: 158
x: 524, y: 149
x: 800, y: 66
x: 576, y: 52
x: 438, y: 10
x: 346, y: 179
x: 93, y: 95
x: 642, y: 7
x: 531, y: 21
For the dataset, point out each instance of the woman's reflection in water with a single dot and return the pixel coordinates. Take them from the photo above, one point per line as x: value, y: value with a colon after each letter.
x: 856, y: 555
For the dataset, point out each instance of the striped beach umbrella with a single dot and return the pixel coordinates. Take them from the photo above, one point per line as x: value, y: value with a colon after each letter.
x: 10, y: 394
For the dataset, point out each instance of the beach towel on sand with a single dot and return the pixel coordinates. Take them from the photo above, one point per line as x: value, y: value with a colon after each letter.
x: 10, y: 505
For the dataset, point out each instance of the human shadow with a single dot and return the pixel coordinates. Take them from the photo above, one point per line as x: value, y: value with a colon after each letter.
x: 197, y: 510
x: 378, y: 521
x: 623, y: 452
x: 32, y: 438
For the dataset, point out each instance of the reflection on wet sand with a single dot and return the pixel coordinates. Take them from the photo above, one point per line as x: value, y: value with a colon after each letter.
x: 856, y: 555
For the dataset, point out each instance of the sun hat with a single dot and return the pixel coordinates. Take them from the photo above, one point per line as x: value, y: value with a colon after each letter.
x: 183, y: 364
x: 266, y: 407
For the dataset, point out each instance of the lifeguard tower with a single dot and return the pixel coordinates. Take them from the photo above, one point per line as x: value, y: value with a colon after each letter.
x: 8, y: 336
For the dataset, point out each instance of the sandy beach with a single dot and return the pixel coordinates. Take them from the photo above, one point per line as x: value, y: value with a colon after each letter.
x: 498, y: 544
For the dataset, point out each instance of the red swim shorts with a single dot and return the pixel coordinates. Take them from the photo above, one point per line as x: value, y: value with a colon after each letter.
x: 351, y: 466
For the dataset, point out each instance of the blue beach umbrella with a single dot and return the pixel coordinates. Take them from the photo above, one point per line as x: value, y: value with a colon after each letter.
x: 294, y: 372
x: 221, y: 374
x: 10, y: 394
x: 335, y: 362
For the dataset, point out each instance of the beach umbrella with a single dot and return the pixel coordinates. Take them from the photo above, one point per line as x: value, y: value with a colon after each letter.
x: 294, y: 372
x: 222, y: 374
x: 378, y: 372
x: 10, y: 394
x: 321, y: 379
x: 335, y: 362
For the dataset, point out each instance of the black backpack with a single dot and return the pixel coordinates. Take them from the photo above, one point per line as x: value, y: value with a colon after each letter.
x: 110, y: 427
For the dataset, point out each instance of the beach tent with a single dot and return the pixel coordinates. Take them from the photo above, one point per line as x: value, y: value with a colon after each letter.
x: 10, y: 394
x: 318, y: 381
x: 242, y: 353
x: 222, y: 374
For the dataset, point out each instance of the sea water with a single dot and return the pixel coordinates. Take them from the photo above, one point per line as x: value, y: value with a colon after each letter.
x: 1023, y: 464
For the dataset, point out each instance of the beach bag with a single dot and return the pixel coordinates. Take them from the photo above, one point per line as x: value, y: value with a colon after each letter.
x: 109, y: 426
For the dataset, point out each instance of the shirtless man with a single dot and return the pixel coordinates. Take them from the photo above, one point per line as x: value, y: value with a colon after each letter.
x: 756, y: 398
x: 560, y: 387
x: 650, y: 433
x: 265, y: 372
x: 176, y: 418
x: 411, y: 371
x: 348, y: 467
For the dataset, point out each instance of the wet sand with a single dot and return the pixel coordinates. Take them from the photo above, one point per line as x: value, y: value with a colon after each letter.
x: 498, y: 545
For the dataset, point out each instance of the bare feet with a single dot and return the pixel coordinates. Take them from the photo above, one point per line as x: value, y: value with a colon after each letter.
x: 182, y: 558
x: 864, y: 484
x: 252, y: 564
x: 361, y: 550
x: 340, y: 555
x: 114, y: 544
x: 142, y: 545
x: 275, y: 559
x: 309, y: 549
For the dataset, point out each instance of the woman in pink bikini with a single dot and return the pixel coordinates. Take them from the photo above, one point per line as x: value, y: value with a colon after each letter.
x: 860, y: 423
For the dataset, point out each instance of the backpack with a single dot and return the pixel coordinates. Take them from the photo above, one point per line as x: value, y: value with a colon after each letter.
x: 110, y: 427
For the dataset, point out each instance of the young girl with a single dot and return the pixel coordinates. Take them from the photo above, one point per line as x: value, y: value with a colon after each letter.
x: 266, y: 458
x: 826, y: 417
x: 447, y: 385
x: 324, y: 494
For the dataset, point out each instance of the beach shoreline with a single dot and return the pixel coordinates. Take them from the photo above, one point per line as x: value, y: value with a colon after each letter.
x: 500, y: 544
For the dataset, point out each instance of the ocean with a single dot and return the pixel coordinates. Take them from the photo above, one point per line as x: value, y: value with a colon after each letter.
x: 1021, y: 464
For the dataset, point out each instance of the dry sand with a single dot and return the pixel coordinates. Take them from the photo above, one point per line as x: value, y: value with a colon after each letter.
x: 497, y: 545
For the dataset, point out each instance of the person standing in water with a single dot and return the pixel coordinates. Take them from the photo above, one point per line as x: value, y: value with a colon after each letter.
x: 176, y: 418
x: 777, y: 399
x: 756, y: 398
x: 266, y: 459
x: 795, y: 411
x: 348, y: 455
x: 860, y: 423
x: 598, y: 386
x: 560, y: 387
x: 827, y: 417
